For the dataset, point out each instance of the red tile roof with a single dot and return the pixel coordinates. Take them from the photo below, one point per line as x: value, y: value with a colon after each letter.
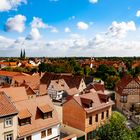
x: 37, y: 123
x: 71, y: 80
x: 45, y: 108
x: 97, y: 104
x: 11, y: 74
x: 6, y: 107
x: 24, y: 114
x: 15, y: 93
x: 120, y: 86
x: 32, y: 81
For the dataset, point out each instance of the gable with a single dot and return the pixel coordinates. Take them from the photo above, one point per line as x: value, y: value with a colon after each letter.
x: 133, y: 84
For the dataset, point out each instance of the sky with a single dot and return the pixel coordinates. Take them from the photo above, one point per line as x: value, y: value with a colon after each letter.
x: 62, y: 28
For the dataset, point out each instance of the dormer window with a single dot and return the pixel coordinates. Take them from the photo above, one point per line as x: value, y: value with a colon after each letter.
x: 46, y: 111
x: 87, y: 103
x: 24, y: 117
x: 47, y: 115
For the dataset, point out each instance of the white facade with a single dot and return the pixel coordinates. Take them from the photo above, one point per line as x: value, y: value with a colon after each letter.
x: 74, y: 138
x: 54, y: 136
x: 11, y: 128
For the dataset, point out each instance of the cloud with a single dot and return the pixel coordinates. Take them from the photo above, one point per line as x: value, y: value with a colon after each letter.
x: 102, y: 44
x: 67, y: 30
x: 82, y: 25
x: 120, y: 29
x: 6, y: 5
x: 138, y: 13
x: 38, y: 23
x: 99, y: 45
x: 93, y: 1
x: 54, y: 30
x: 16, y: 23
x: 34, y: 34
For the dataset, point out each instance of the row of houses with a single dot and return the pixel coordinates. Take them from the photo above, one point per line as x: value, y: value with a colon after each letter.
x: 26, y: 118
x: 23, y: 63
x: 53, y: 106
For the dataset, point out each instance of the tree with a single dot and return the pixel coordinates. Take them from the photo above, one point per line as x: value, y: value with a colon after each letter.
x: 136, y: 130
x: 21, y: 54
x: 24, y: 54
x: 42, y: 67
x: 115, y: 129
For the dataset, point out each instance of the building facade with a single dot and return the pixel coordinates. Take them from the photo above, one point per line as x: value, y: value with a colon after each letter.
x: 128, y: 96
x: 87, y: 112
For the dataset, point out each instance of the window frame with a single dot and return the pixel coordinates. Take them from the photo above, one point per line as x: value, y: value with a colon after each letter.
x: 8, y: 138
x: 102, y: 115
x: 49, y: 131
x: 43, y: 134
x: 7, y: 120
x: 29, y: 137
x: 107, y: 113
x: 96, y: 118
x: 123, y: 99
x: 90, y: 120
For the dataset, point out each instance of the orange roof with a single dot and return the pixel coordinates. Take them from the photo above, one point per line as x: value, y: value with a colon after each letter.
x: 37, y: 124
x: 32, y: 81
x: 120, y: 86
x: 4, y: 63
x: 10, y: 74
x: 28, y: 65
x: 45, y: 108
x: 42, y: 89
x: 12, y: 63
x: 15, y: 93
x: 72, y: 91
x: 97, y: 104
x: 6, y: 107
x: 24, y: 114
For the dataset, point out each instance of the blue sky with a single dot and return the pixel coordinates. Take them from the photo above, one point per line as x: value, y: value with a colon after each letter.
x: 70, y: 27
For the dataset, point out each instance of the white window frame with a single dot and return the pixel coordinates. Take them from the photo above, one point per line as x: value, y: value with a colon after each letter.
x: 8, y: 122
x: 9, y: 136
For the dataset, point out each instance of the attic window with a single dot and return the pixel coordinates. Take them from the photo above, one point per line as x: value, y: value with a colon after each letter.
x: 46, y: 111
x: 47, y: 115
x: 87, y: 103
x: 24, y: 117
x: 24, y: 121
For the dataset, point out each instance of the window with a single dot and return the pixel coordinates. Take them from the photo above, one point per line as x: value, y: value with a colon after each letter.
x: 90, y: 120
x: 29, y: 138
x: 24, y: 121
x: 102, y: 115
x: 107, y: 113
x: 49, y: 131
x: 48, y: 115
x: 9, y: 137
x: 96, y: 118
x: 8, y: 122
x: 123, y: 99
x: 43, y: 134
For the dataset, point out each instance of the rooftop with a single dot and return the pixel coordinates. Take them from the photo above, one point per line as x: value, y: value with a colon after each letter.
x: 6, y: 107
x: 37, y: 123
